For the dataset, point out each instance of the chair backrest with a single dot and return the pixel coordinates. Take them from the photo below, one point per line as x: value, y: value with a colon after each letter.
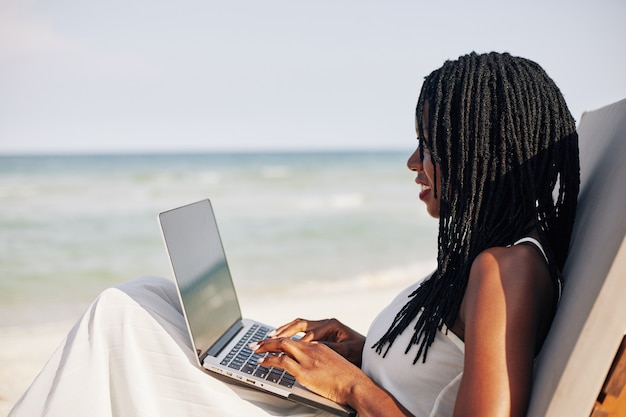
x: 591, y: 320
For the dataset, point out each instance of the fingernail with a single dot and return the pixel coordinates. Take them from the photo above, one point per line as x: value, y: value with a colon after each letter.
x: 261, y: 360
x: 253, y: 345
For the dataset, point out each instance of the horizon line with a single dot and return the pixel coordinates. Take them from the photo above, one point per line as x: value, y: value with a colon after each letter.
x: 199, y: 151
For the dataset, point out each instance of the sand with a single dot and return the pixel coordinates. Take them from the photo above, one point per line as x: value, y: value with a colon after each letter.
x: 25, y: 349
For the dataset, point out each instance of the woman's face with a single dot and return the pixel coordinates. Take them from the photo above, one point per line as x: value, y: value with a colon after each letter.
x: 425, y: 170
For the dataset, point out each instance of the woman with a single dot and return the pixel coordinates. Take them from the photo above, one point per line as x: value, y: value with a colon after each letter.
x: 497, y: 163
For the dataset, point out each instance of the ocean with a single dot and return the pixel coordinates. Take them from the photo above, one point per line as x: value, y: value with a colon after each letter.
x: 73, y: 225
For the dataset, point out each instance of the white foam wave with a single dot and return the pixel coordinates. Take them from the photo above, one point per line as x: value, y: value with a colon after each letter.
x: 401, y: 275
x: 275, y: 172
x: 336, y: 202
x: 398, y: 278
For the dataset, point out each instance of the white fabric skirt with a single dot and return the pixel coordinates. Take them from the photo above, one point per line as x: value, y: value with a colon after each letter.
x: 130, y: 355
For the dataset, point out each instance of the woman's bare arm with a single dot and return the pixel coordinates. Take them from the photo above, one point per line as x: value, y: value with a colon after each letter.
x: 505, y: 314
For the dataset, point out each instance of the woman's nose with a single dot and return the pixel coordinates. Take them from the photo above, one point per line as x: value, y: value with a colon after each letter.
x: 415, y: 161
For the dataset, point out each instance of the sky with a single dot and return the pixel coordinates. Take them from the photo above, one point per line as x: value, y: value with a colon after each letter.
x: 85, y: 76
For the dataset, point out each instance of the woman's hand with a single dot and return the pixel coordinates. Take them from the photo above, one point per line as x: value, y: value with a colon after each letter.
x: 324, y: 371
x: 314, y: 365
x: 339, y: 337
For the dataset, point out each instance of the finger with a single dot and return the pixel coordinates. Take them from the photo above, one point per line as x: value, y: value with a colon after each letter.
x: 267, y: 346
x: 292, y: 328
x: 281, y: 361
x: 323, y: 331
x: 285, y: 346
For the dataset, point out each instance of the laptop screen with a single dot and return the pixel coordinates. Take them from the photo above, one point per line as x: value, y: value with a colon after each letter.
x: 197, y: 256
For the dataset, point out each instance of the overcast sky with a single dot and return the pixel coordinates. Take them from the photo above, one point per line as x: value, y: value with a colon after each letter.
x: 140, y: 75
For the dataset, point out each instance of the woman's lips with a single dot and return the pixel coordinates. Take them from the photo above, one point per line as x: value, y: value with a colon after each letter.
x: 425, y: 191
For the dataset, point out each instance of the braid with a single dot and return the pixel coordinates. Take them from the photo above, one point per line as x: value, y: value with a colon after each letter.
x: 505, y: 146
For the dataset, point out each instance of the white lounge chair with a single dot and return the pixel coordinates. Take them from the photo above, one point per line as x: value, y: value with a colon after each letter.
x: 591, y: 320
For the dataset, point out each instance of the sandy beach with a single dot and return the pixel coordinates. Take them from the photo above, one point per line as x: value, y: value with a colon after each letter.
x: 25, y: 350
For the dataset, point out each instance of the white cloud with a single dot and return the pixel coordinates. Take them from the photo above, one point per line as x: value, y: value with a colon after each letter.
x: 29, y: 43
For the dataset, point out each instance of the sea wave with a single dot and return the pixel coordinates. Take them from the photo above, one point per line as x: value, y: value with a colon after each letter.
x: 72, y: 226
x: 347, y: 201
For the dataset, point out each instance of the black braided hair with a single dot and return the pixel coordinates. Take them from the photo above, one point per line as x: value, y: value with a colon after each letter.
x: 506, y: 148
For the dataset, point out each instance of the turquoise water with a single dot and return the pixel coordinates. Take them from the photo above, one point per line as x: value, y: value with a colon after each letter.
x: 71, y: 226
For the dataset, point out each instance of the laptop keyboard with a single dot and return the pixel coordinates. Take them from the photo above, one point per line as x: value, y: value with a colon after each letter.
x: 244, y: 359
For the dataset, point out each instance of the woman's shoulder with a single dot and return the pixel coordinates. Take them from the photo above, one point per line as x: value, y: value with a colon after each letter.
x: 517, y: 276
x: 511, y: 263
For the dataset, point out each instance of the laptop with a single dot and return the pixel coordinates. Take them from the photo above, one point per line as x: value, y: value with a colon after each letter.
x: 211, y: 309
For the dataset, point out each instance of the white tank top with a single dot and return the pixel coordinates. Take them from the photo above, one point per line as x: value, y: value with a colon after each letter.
x: 426, y: 389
